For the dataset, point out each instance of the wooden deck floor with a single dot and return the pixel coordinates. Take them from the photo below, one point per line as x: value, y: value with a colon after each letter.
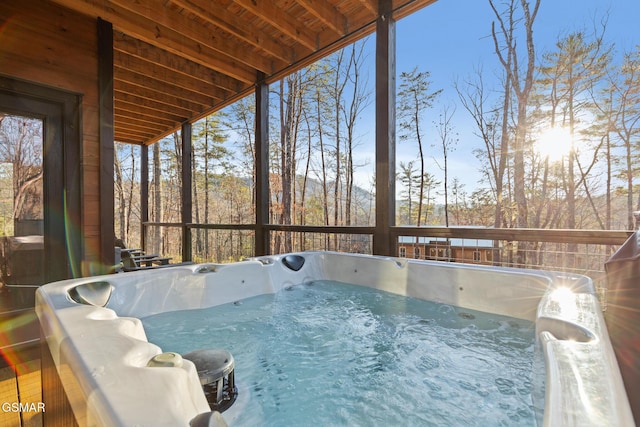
x: 21, y: 384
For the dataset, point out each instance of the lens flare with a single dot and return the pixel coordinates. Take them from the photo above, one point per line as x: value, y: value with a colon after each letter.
x: 554, y: 144
x: 12, y: 331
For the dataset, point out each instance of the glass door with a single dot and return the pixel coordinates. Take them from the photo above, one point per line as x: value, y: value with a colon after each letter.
x: 21, y: 208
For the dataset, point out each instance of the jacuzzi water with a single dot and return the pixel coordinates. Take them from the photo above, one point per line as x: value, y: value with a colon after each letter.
x: 103, y: 353
x: 329, y: 353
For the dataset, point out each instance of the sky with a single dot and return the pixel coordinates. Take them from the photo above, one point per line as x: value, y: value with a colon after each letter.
x: 451, y: 39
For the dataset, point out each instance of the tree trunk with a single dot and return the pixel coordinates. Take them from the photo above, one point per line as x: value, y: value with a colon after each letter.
x: 157, y: 198
x: 119, y: 189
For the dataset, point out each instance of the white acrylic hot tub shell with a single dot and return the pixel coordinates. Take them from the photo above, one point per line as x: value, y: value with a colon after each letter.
x: 101, y: 353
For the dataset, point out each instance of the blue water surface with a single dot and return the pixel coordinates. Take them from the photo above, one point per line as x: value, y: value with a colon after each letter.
x: 331, y: 354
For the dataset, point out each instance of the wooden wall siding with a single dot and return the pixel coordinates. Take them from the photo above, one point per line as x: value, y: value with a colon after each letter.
x: 48, y: 44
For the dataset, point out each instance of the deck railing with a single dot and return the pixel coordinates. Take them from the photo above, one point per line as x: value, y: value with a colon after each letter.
x: 573, y: 251
x: 578, y: 251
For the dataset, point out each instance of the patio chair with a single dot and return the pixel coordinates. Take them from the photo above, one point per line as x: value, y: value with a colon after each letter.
x: 132, y: 259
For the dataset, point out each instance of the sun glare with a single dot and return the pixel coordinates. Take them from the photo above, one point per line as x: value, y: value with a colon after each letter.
x: 554, y: 143
x: 562, y: 295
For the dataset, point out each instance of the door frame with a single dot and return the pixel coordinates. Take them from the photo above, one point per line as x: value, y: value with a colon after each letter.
x: 61, y: 113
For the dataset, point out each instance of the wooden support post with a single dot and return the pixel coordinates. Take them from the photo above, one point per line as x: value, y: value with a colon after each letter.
x: 106, y: 137
x: 262, y: 238
x: 187, y: 199
x: 144, y: 194
x: 385, y: 130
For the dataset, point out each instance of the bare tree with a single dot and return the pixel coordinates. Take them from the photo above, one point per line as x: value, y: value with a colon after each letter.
x: 625, y: 94
x: 208, y: 155
x: 521, y: 83
x: 570, y: 72
x: 430, y: 185
x: 157, y: 198
x: 319, y: 101
x: 290, y: 117
x: 448, y: 139
x: 242, y: 122
x: 336, y: 91
x: 407, y: 178
x: 415, y: 97
x: 492, y: 127
x: 459, y: 202
x: 21, y: 146
x: 357, y: 102
x: 119, y: 194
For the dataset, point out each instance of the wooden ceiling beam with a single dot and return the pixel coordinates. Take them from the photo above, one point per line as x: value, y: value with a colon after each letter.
x: 143, y: 28
x: 143, y: 134
x: 134, y: 122
x: 167, y: 99
x: 369, y: 5
x: 158, y: 16
x: 126, y: 135
x: 179, y: 60
x: 125, y: 140
x: 327, y: 14
x: 133, y: 133
x: 155, y: 72
x: 150, y: 53
x: 217, y: 15
x: 124, y: 111
x: 141, y: 131
x: 283, y: 22
x: 137, y: 106
x: 163, y: 87
x: 155, y: 105
x: 129, y: 139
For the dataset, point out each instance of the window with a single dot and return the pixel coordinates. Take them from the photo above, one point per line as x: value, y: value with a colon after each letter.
x: 21, y: 200
x: 51, y: 204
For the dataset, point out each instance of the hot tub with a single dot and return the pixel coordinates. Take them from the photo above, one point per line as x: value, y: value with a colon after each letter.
x: 102, y: 355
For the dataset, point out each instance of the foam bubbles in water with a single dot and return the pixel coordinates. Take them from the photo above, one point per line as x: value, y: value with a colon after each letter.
x: 326, y: 353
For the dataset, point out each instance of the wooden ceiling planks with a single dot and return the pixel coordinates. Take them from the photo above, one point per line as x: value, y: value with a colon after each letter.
x: 221, y: 18
x: 179, y: 60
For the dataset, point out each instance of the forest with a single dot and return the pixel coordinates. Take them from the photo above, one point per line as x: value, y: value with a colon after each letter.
x: 556, y: 138
x: 583, y: 96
